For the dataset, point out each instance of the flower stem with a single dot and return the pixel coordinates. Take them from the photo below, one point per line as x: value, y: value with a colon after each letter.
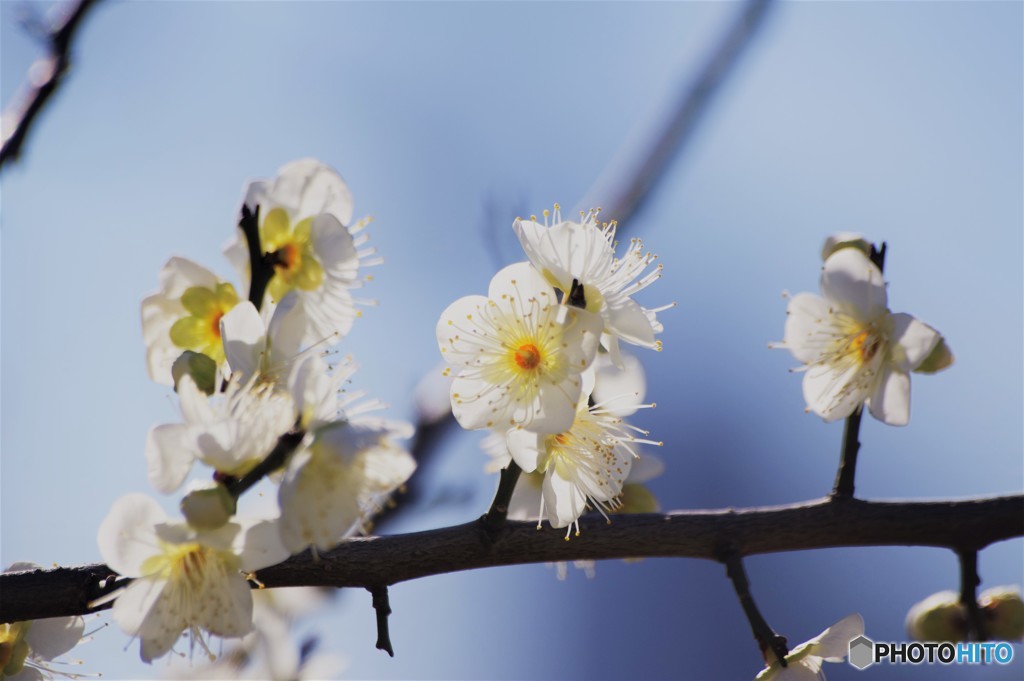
x: 969, y: 581
x: 496, y: 515
x: 843, y: 488
x: 766, y: 637
x: 259, y: 267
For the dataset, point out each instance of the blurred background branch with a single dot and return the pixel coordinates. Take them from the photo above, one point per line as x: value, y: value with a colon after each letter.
x: 44, y: 78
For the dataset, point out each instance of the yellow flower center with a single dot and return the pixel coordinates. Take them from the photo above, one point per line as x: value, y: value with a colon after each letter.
x: 291, y: 251
x: 527, y: 356
x: 866, y: 344
x: 199, y: 331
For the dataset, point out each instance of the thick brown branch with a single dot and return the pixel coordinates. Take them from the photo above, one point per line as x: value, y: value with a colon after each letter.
x: 372, y: 561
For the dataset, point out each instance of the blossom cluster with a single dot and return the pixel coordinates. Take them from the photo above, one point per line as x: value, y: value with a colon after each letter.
x: 259, y: 396
x: 523, y: 360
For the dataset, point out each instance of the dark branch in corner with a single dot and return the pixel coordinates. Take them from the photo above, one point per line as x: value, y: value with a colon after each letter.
x: 373, y: 561
x: 969, y: 581
x: 58, y: 60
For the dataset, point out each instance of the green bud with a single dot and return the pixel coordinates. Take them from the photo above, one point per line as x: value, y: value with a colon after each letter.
x: 209, y: 507
x: 13, y: 648
x: 1004, y: 613
x: 845, y: 240
x: 939, y: 359
x: 200, y: 367
x: 940, y: 617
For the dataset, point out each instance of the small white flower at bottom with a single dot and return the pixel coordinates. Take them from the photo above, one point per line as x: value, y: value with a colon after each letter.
x: 586, y: 465
x: 183, y: 578
x: 804, y: 661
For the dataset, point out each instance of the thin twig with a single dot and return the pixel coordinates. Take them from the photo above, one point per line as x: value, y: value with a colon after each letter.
x: 969, y: 581
x: 382, y: 606
x: 19, y: 121
x: 371, y: 561
x: 497, y: 514
x: 765, y: 636
x: 843, y: 488
x: 260, y: 270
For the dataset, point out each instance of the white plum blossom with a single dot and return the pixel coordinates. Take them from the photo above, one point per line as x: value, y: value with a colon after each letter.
x: 268, y: 350
x: 583, y: 466
x: 183, y: 578
x: 517, y: 354
x: 230, y: 431
x: 28, y: 650
x: 337, y: 478
x: 854, y: 349
x: 305, y: 233
x: 804, y: 661
x: 184, y: 315
x: 564, y: 251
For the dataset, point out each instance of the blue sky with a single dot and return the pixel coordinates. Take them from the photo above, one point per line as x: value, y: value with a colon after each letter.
x: 901, y: 120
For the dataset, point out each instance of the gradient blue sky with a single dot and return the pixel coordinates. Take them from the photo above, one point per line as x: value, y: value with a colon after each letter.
x: 902, y: 120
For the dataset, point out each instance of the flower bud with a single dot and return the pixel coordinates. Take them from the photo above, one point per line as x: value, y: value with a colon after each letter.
x: 845, y: 240
x: 1003, y: 610
x: 636, y: 498
x: 208, y: 507
x: 200, y: 367
x: 940, y: 617
x: 939, y: 359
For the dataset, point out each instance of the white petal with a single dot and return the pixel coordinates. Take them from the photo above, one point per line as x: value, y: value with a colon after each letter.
x: 564, y: 502
x: 851, y: 279
x: 581, y: 336
x: 180, y: 274
x: 915, y: 341
x: 890, y: 402
x: 627, y: 320
x: 244, y: 337
x: 458, y: 345
x: 195, y: 404
x: 54, y: 636
x: 647, y: 467
x: 807, y: 327
x: 170, y: 452
x: 126, y: 536
x: 309, y: 187
x: 525, y: 448
x: 158, y: 316
x: 139, y: 612
x: 286, y: 330
x: 519, y: 280
x: 833, y: 394
x: 833, y: 644
x: 554, y: 410
x: 619, y: 390
x: 260, y: 545
x: 225, y: 604
x: 533, y: 237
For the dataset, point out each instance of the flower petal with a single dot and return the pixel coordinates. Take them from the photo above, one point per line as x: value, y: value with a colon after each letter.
x: 915, y: 341
x: 834, y: 394
x: 807, y: 317
x: 833, y: 644
x: 890, y: 402
x: 54, y: 636
x: 564, y: 502
x: 244, y: 336
x: 525, y: 448
x: 170, y: 452
x: 851, y: 280
x: 126, y: 537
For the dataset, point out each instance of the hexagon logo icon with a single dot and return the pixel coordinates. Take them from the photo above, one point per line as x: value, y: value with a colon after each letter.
x: 862, y: 652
